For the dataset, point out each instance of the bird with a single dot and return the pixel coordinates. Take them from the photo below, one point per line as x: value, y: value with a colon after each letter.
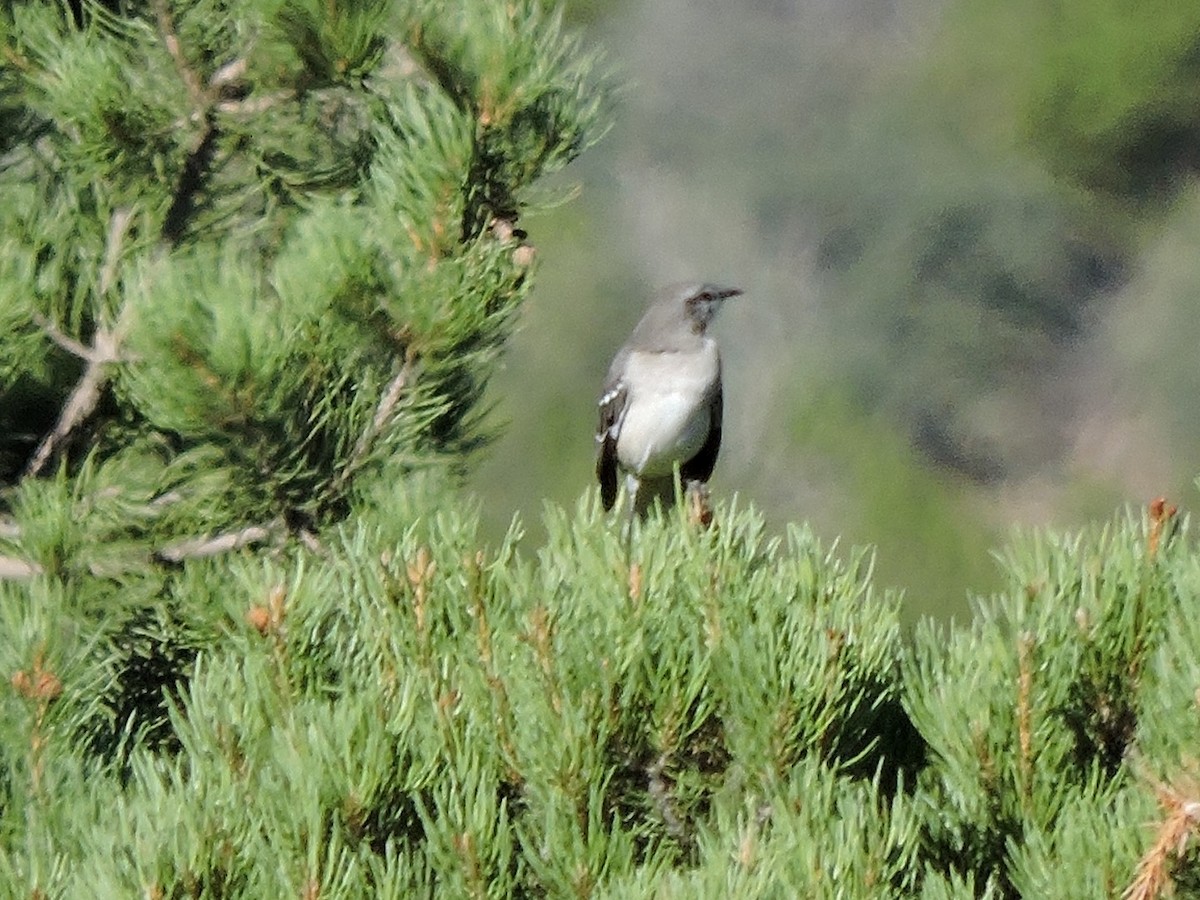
x: 662, y: 401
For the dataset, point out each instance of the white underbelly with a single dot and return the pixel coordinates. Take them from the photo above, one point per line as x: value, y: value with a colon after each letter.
x: 660, y: 431
x: 668, y: 415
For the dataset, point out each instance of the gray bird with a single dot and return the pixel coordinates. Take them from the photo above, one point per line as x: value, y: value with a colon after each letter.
x: 661, y: 404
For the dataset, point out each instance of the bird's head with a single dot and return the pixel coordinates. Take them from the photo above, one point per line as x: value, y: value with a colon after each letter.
x: 680, y: 315
x: 702, y: 302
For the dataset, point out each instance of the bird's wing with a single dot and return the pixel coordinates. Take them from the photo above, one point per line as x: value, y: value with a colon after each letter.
x: 612, y: 414
x: 700, y: 467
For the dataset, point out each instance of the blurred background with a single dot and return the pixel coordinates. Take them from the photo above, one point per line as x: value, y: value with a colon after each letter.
x: 969, y: 236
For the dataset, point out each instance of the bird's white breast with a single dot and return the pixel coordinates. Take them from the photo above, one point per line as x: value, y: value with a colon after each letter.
x: 668, y: 412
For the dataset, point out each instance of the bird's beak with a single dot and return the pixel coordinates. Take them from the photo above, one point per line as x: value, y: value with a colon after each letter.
x: 726, y: 292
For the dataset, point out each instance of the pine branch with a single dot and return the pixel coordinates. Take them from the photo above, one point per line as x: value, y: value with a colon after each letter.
x: 15, y: 59
x: 1025, y: 716
x: 191, y: 181
x: 105, y: 349
x: 65, y: 341
x: 383, y: 412
x: 202, y: 547
x: 166, y: 28
x: 205, y: 100
x: 253, y: 106
x: 1181, y: 822
x: 13, y: 569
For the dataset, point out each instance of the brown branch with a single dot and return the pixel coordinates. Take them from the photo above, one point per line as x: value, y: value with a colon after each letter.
x: 191, y: 180
x: 166, y: 28
x: 383, y: 411
x: 1024, y: 714
x: 1162, y: 514
x: 202, y: 547
x: 41, y: 687
x: 13, y: 569
x: 105, y: 349
x: 205, y: 103
x: 64, y: 341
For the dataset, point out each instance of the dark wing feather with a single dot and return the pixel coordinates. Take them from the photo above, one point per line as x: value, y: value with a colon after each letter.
x: 612, y: 414
x: 700, y: 467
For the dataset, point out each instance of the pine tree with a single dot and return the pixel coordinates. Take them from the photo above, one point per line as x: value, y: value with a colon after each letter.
x: 257, y: 263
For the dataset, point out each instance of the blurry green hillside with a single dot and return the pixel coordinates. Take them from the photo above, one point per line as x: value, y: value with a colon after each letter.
x: 964, y: 233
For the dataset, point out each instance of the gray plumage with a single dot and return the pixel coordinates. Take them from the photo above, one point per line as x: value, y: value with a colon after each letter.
x: 662, y: 401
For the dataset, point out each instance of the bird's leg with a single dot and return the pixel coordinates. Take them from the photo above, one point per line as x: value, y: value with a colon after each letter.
x: 631, y: 491
x: 699, y: 504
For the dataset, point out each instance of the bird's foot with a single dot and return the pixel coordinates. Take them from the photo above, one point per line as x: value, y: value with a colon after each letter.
x: 699, y: 504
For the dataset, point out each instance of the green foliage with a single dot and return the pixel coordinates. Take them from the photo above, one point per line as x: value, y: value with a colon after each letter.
x: 394, y: 715
x: 334, y: 41
x: 1035, y: 716
x: 1117, y: 103
x: 1091, y: 849
x: 409, y: 711
x: 1108, y: 93
x: 258, y: 263
x: 271, y: 235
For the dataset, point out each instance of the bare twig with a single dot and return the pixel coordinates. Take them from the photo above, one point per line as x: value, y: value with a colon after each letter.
x: 166, y: 28
x: 65, y: 341
x: 252, y: 106
x: 311, y: 542
x: 118, y: 225
x: 79, y: 406
x: 205, y: 103
x: 13, y: 569
x: 228, y: 74
x: 165, y: 500
x: 383, y: 411
x: 201, y: 547
x: 105, y: 349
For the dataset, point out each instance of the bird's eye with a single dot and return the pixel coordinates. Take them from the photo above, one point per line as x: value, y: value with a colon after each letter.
x: 704, y: 297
